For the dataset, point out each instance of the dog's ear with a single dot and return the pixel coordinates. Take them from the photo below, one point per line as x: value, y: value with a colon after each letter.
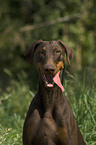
x: 30, y: 53
x: 68, y: 50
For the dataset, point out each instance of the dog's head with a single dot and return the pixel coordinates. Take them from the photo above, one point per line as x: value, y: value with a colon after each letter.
x: 50, y: 60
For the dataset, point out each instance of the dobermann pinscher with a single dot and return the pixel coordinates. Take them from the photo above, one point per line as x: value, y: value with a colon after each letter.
x: 50, y: 119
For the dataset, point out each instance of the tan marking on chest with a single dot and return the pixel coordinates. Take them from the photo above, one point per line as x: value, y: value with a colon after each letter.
x: 63, y: 134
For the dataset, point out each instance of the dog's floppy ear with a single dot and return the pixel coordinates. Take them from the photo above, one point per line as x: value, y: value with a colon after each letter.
x: 68, y: 50
x: 31, y: 50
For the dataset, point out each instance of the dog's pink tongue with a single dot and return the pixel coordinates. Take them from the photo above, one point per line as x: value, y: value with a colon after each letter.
x: 57, y: 80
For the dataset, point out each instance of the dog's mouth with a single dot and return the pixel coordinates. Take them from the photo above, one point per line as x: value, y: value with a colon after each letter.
x: 50, y: 80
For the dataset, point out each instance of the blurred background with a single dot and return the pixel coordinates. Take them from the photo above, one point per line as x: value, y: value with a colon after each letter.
x: 21, y: 23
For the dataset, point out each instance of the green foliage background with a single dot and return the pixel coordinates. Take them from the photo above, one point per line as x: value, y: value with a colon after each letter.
x: 18, y: 79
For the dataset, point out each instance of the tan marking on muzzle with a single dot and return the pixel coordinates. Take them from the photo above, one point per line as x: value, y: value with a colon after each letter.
x: 59, y: 65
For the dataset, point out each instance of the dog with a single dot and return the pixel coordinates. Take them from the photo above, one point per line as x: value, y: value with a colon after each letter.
x: 50, y: 120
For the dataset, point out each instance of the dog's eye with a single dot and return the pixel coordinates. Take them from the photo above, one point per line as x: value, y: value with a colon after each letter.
x: 57, y: 52
x: 42, y: 52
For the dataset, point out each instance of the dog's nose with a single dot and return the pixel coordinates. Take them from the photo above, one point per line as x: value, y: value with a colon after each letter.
x: 49, y: 68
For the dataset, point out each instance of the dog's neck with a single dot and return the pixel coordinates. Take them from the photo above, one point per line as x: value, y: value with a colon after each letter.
x: 50, y: 96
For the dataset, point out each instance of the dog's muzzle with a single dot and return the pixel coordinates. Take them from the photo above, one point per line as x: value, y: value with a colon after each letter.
x: 49, y: 80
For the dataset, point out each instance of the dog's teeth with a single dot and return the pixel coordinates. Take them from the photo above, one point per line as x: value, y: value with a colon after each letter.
x: 49, y: 85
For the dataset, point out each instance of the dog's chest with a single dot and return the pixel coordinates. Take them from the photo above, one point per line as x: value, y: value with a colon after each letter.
x: 49, y: 133
x: 46, y: 129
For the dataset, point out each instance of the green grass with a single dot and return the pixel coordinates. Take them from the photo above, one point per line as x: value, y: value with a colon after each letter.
x: 14, y: 105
